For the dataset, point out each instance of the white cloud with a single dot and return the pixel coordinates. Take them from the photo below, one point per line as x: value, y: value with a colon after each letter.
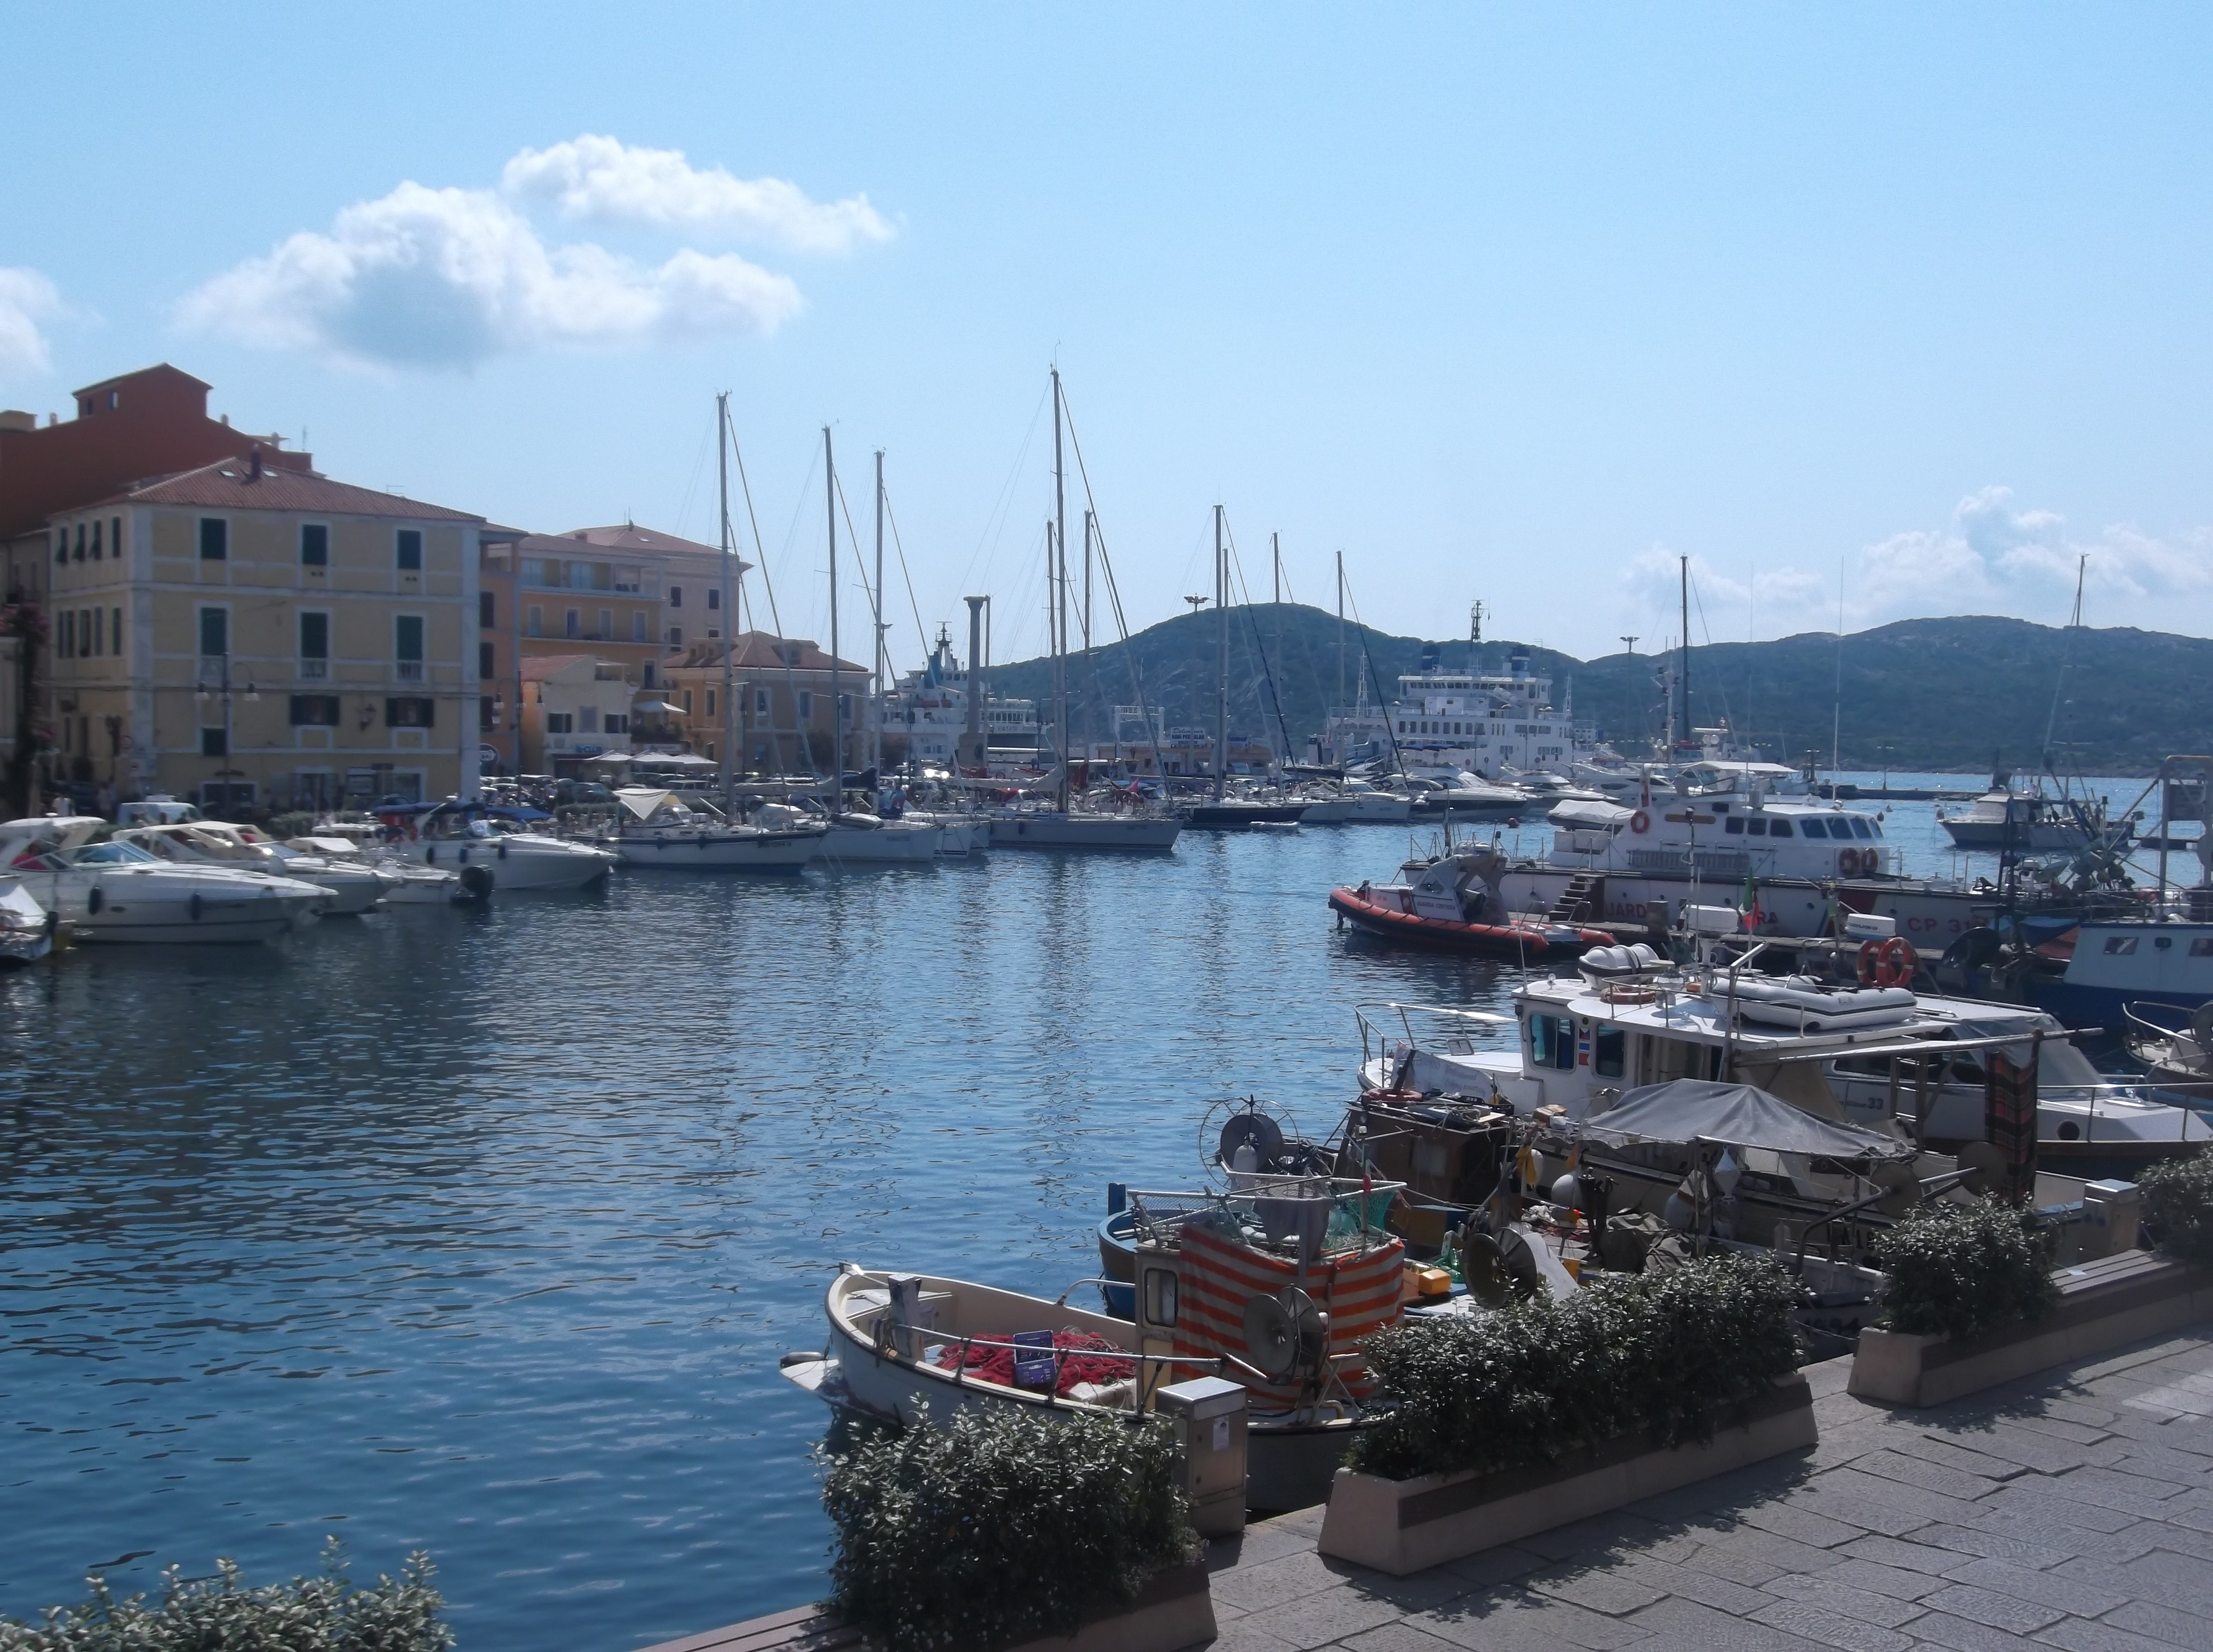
x: 602, y: 180
x: 450, y: 277
x: 27, y: 299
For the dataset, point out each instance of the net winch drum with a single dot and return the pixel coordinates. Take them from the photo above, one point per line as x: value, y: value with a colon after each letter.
x: 1211, y: 1416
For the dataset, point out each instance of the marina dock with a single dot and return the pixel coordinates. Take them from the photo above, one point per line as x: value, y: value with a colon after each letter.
x: 2070, y: 1510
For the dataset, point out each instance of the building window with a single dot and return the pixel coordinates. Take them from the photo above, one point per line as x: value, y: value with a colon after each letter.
x: 61, y: 545
x: 314, y: 711
x: 806, y: 706
x: 638, y: 627
x: 407, y: 648
x: 115, y: 537
x: 215, y: 632
x: 760, y: 701
x: 115, y: 627
x: 95, y: 539
x: 676, y: 596
x: 487, y: 609
x: 487, y: 716
x: 486, y: 660
x: 607, y: 624
x: 629, y: 579
x: 314, y: 545
x: 407, y: 545
x: 215, y: 742
x: 572, y: 624
x: 710, y: 702
x: 844, y: 708
x: 714, y: 598
x: 648, y: 674
x: 687, y: 702
x: 314, y: 645
x: 588, y: 720
x: 676, y: 636
x: 560, y: 722
x: 65, y: 639
x: 410, y: 712
x: 534, y: 622
x: 618, y: 722
x: 80, y: 542
x: 215, y: 539
x: 534, y: 571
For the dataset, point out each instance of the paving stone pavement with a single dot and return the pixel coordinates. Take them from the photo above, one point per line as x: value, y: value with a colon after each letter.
x: 2072, y: 1510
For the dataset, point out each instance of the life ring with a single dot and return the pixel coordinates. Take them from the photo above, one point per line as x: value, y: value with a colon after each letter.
x: 1640, y: 823
x: 1899, y: 963
x: 1848, y: 862
x: 1870, y: 960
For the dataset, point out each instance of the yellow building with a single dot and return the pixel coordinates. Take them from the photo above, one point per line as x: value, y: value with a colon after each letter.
x: 253, y: 637
x: 780, y: 695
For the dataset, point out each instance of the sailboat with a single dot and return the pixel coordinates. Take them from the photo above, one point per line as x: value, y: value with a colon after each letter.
x: 1064, y: 825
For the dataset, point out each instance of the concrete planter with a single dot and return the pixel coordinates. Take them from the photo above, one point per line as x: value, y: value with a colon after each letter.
x: 1171, y: 1613
x: 1407, y: 1526
x: 2103, y: 1305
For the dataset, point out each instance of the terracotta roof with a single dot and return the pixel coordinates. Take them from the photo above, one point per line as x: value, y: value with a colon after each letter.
x: 761, y: 649
x: 629, y: 536
x: 230, y: 484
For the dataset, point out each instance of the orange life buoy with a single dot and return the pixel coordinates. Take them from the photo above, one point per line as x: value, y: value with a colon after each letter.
x: 1640, y: 823
x: 1870, y: 961
x: 1899, y: 963
x: 1848, y: 862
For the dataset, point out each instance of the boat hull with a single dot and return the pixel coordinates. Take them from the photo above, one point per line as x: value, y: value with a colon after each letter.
x: 159, y: 905
x: 1495, y: 940
x: 2021, y: 836
x: 715, y: 851
x: 885, y: 845
x: 1105, y: 831
x: 547, y: 864
x: 1238, y: 817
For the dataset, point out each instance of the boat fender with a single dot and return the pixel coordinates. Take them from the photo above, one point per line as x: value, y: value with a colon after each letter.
x: 502, y: 851
x: 1640, y: 823
x: 194, y: 906
x: 431, y: 855
x: 465, y: 855
x: 94, y: 899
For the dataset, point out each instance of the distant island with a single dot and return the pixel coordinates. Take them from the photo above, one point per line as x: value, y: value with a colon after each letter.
x: 1956, y: 695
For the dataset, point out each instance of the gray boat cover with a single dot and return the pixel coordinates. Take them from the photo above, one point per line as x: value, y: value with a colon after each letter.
x: 1687, y: 1109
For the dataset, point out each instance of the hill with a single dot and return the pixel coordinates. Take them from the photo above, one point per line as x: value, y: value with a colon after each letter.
x: 1919, y: 694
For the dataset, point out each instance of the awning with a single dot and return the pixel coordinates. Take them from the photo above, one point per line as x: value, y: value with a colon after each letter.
x: 1684, y: 1111
x: 643, y: 800
x: 657, y: 706
x: 674, y: 760
x: 611, y: 756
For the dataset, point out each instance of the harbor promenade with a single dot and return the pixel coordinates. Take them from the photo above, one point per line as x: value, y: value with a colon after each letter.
x: 2071, y: 1510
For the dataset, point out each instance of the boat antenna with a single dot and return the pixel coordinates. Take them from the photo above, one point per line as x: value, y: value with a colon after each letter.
x: 1222, y: 661
x: 2066, y: 658
x: 837, y: 729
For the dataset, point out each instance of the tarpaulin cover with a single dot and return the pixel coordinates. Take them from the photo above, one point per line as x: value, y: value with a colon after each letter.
x: 1686, y: 1110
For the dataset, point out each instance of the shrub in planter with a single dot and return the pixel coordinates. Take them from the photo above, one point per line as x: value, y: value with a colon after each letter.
x: 221, y: 1614
x: 2177, y: 1206
x: 1655, y: 1354
x: 1956, y: 1269
x: 1001, y: 1526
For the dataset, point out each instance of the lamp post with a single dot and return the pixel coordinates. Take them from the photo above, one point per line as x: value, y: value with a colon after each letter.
x: 227, y: 774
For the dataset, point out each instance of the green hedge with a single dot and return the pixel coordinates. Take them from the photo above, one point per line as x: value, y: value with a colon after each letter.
x: 1955, y: 1268
x: 1652, y: 1354
x: 1001, y: 1526
x: 2177, y: 1206
x: 221, y: 1614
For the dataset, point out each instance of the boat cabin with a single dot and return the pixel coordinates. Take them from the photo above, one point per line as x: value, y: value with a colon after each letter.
x: 1724, y: 839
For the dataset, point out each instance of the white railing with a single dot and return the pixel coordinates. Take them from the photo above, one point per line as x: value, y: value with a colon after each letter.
x: 409, y: 671
x: 314, y: 670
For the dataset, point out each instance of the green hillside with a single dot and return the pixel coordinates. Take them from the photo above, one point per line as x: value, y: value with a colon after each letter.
x: 1930, y: 694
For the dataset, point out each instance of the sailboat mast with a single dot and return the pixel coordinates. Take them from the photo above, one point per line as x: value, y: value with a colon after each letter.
x: 1221, y: 666
x: 1340, y: 628
x: 729, y: 610
x: 881, y: 663
x: 1683, y: 655
x: 1058, y: 561
x: 830, y: 515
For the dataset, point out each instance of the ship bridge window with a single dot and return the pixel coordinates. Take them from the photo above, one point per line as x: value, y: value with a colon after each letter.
x: 2121, y: 944
x: 1733, y: 827
x: 1609, y: 1052
x: 2202, y: 947
x: 1816, y: 828
x: 1860, y: 827
x: 1756, y: 826
x: 1782, y: 829
x: 1552, y: 1042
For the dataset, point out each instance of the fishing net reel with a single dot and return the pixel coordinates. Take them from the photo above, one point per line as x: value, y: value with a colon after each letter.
x: 1247, y: 1136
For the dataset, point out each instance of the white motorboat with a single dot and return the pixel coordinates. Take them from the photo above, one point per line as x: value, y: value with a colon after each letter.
x: 1355, y: 802
x: 117, y: 892
x: 355, y: 887
x: 455, y: 836
x: 853, y: 839
x: 960, y: 832
x: 405, y: 883
x: 1445, y: 791
x: 658, y: 828
x: 27, y: 930
x: 2027, y: 822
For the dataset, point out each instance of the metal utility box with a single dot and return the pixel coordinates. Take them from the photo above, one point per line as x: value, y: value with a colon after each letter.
x: 2111, y: 1212
x: 1211, y: 1416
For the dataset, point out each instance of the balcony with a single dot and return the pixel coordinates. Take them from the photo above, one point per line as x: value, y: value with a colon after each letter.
x: 314, y: 670
x: 409, y: 671
x: 212, y: 667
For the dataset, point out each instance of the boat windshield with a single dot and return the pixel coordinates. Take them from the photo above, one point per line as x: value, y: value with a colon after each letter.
x: 111, y: 853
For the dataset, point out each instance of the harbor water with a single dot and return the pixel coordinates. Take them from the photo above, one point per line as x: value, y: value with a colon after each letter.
x: 481, y: 1231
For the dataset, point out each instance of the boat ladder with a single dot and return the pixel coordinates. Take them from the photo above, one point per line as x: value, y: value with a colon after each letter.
x: 1573, y: 904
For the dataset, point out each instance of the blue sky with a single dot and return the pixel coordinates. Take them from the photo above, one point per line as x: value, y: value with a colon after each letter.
x: 1514, y: 303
